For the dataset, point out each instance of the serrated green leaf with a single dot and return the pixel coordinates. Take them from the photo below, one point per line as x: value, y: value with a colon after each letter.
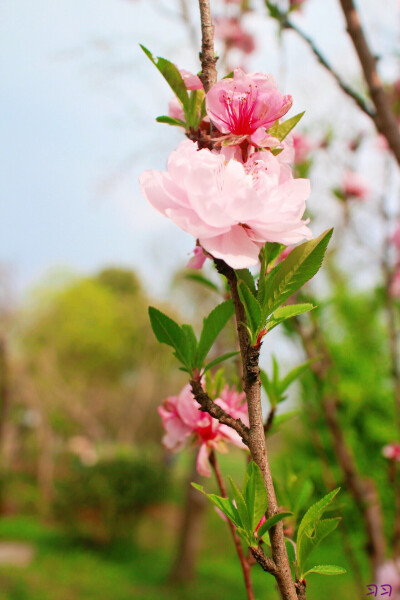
x: 281, y: 130
x: 246, y: 276
x: 309, y: 542
x: 203, y: 280
x: 191, y: 342
x: 326, y: 570
x: 255, y: 494
x: 224, y: 504
x: 172, y: 76
x: 287, y: 312
x: 307, y: 528
x: 212, y: 326
x: 295, y: 373
x: 291, y: 274
x: 241, y: 507
x: 219, y: 359
x: 271, y: 522
x: 245, y: 536
x: 168, y: 332
x: 252, y: 310
x: 170, y: 121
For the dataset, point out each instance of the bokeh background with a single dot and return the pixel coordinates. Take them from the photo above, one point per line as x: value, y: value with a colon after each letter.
x: 91, y: 506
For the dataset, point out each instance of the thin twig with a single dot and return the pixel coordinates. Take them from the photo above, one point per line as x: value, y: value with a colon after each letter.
x: 210, y: 407
x: 243, y: 561
x: 347, y: 89
x: 384, y: 119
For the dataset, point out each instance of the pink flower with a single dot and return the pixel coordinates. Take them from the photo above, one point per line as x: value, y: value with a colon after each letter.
x: 392, y: 451
x: 354, y: 186
x: 197, y: 260
x: 230, y: 31
x: 389, y: 574
x: 395, y: 238
x: 394, y: 289
x: 192, y: 82
x: 175, y: 109
x: 246, y: 103
x: 230, y: 207
x: 182, y: 418
x: 302, y: 147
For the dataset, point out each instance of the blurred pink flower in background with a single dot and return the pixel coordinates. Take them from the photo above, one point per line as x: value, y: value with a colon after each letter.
x: 392, y: 451
x: 389, y: 574
x: 197, y: 260
x: 231, y: 32
x: 394, y: 289
x: 230, y: 207
x: 395, y: 237
x: 182, y: 418
x: 245, y: 103
x: 302, y: 147
x: 175, y: 109
x: 354, y: 186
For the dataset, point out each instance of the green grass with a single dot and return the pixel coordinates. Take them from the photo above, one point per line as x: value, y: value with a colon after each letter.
x: 64, y: 571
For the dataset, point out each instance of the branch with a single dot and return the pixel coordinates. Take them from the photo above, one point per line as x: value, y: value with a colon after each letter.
x: 243, y: 561
x: 384, y: 119
x: 257, y: 445
x: 270, y: 420
x: 362, y: 490
x: 265, y: 562
x: 208, y: 59
x: 210, y: 407
x: 349, y: 91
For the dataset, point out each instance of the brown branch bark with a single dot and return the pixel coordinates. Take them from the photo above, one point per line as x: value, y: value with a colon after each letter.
x: 208, y: 59
x: 210, y: 407
x: 257, y: 443
x: 363, y: 490
x: 384, y: 119
x: 347, y: 89
x: 243, y: 561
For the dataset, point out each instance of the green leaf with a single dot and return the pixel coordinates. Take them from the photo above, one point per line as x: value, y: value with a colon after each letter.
x: 246, y: 276
x: 303, y: 496
x: 172, y: 76
x: 212, y: 326
x: 326, y: 570
x: 309, y: 535
x: 191, y: 342
x: 287, y: 312
x: 273, y: 10
x: 169, y: 332
x: 252, y: 310
x: 255, y: 494
x: 194, y: 108
x: 292, y: 273
x: 224, y: 504
x: 295, y: 374
x: 203, y: 280
x: 290, y: 549
x: 271, y: 522
x: 281, y: 130
x: 170, y: 121
x: 218, y: 360
x: 322, y: 529
x: 282, y: 419
x: 269, y: 388
x: 241, y: 507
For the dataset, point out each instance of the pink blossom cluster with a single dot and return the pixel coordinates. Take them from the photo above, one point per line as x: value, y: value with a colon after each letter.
x: 182, y: 419
x: 233, y: 194
x: 230, y: 31
x: 354, y: 186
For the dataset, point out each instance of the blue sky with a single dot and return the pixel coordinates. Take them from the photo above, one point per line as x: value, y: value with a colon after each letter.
x: 77, y: 124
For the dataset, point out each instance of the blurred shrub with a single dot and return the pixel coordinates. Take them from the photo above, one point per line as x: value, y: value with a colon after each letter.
x: 103, y: 502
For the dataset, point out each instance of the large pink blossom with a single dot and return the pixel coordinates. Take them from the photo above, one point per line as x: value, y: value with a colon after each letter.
x: 182, y: 418
x: 230, y: 207
x: 245, y: 103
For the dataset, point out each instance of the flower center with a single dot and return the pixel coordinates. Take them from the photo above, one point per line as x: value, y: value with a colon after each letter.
x: 240, y: 107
